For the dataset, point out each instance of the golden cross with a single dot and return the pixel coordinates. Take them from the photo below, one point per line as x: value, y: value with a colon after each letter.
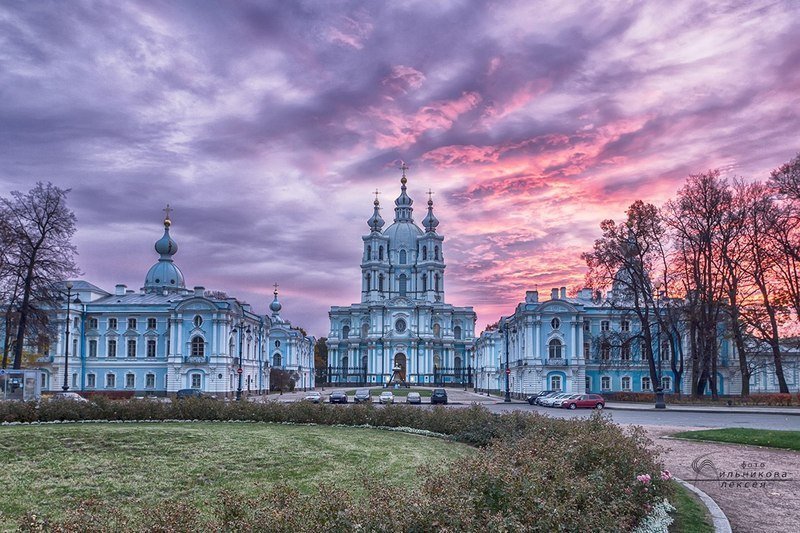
x: 167, y: 210
x: 276, y: 287
x: 377, y: 192
x: 404, y: 167
x: 430, y: 195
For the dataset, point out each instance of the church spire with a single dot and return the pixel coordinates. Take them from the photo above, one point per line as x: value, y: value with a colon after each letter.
x: 403, y: 209
x: 375, y: 222
x: 430, y: 221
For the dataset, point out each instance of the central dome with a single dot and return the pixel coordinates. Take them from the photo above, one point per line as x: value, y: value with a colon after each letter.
x: 402, y: 235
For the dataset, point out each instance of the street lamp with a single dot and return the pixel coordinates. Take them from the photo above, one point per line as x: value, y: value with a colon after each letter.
x: 300, y: 375
x: 65, y: 387
x: 508, y: 367
x: 660, y: 403
x: 241, y: 330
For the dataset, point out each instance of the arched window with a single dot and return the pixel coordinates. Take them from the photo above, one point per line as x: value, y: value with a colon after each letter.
x: 380, y: 282
x: 457, y: 332
x: 555, y: 349
x: 424, y: 282
x: 436, y: 253
x: 345, y: 332
x: 436, y: 285
x: 403, y: 282
x: 198, y: 347
x: 368, y: 279
x: 364, y: 330
x: 437, y: 330
x: 402, y: 257
x: 369, y: 252
x: 277, y: 360
x: 626, y: 383
x: 364, y: 361
x: 424, y: 253
x: 345, y: 361
x: 380, y: 253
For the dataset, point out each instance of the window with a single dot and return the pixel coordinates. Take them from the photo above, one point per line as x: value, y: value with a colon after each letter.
x: 666, y: 383
x: 150, y: 381
x: 380, y: 282
x: 424, y: 253
x: 369, y: 252
x: 436, y: 253
x: 131, y: 323
x: 91, y: 381
x: 75, y: 347
x: 437, y: 330
x: 646, y: 385
x: 198, y: 347
x: 586, y: 349
x: 345, y: 332
x: 197, y: 380
x: 587, y: 325
x: 93, y: 323
x: 131, y: 348
x: 436, y: 287
x: 555, y: 382
x: 665, y: 351
x: 76, y: 322
x: 277, y: 344
x: 555, y: 349
x: 605, y: 325
x: 368, y: 281
x: 424, y: 282
x: 130, y: 381
x: 197, y: 321
x: 605, y: 351
x: 74, y: 381
x: 625, y: 326
x: 625, y: 354
x: 555, y: 323
x: 112, y: 323
x: 403, y: 282
x: 152, y: 323
x: 403, y: 257
x: 626, y: 383
x: 276, y: 360
x: 457, y: 333
x: 380, y: 253
x: 400, y: 325
x: 92, y: 348
x: 605, y: 383
x: 588, y: 384
x: 364, y: 330
x: 111, y: 381
x: 112, y: 348
x: 151, y: 347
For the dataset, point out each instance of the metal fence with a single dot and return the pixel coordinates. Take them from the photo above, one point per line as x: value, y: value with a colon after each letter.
x: 360, y: 376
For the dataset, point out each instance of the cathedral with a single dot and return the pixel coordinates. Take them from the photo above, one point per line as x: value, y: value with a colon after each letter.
x: 402, y: 330
x: 166, y: 337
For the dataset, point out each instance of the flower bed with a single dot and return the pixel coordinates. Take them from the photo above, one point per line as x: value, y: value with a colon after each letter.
x: 528, y: 473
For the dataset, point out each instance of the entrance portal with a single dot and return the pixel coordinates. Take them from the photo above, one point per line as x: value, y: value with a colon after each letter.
x: 399, y: 370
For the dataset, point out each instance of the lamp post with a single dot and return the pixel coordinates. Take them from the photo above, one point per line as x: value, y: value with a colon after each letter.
x: 300, y: 375
x: 507, y: 399
x: 65, y: 387
x: 660, y: 403
x: 241, y: 330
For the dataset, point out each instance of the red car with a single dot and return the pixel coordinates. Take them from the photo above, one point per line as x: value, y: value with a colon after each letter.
x: 591, y: 401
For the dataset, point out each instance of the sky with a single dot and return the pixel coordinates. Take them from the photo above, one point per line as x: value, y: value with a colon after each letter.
x: 268, y: 125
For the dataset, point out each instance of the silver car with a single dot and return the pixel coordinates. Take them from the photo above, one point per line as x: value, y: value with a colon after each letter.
x: 413, y: 397
x: 386, y: 397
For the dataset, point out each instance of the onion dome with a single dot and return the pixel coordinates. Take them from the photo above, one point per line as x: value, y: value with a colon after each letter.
x: 275, y: 306
x: 165, y: 274
x: 376, y: 222
x: 430, y: 221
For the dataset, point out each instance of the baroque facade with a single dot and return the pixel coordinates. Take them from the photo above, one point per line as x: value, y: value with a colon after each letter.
x: 166, y: 337
x: 402, y: 330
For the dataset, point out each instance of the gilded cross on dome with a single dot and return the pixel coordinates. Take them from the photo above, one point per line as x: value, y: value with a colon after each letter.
x: 377, y: 192
x: 166, y: 217
x: 403, y: 167
x: 276, y: 287
x: 430, y: 196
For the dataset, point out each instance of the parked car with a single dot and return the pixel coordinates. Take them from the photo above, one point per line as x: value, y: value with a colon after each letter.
x: 313, y: 397
x: 540, y: 399
x: 386, y: 397
x: 439, y: 396
x: 189, y: 393
x: 338, y: 397
x: 71, y: 396
x: 363, y: 395
x: 548, y: 401
x: 413, y: 397
x: 558, y: 401
x: 532, y: 399
x: 590, y: 401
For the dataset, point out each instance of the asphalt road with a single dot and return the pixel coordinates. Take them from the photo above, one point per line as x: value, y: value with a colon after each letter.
x: 667, y: 418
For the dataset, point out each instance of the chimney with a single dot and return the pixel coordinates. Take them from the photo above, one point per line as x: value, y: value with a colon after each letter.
x: 563, y: 293
x: 532, y: 297
x: 120, y: 290
x: 199, y: 291
x: 554, y: 294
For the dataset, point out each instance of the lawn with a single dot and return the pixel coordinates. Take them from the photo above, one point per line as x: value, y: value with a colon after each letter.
x: 789, y: 440
x: 690, y: 514
x: 49, y: 468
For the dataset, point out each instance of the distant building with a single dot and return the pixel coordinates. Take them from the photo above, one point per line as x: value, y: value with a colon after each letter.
x: 166, y: 337
x: 402, y: 330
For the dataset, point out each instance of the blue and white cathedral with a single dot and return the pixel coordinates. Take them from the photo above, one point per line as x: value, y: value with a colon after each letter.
x: 402, y: 330
x: 165, y: 337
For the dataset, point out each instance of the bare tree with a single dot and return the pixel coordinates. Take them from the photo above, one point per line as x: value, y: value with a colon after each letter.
x: 786, y: 178
x: 43, y: 254
x: 624, y: 259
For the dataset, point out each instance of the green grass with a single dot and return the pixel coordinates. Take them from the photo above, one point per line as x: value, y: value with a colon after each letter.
x: 47, y: 469
x: 690, y: 514
x: 789, y: 440
x: 376, y: 391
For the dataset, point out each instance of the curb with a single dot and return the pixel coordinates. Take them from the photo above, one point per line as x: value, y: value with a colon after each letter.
x: 719, y: 520
x: 704, y: 410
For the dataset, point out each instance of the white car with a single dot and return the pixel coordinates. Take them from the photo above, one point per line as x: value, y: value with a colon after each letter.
x: 72, y: 396
x: 558, y: 401
x: 313, y: 397
x: 550, y: 400
x: 386, y: 397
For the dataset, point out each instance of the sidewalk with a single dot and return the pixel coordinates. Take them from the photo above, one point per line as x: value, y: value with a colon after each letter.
x: 737, y: 409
